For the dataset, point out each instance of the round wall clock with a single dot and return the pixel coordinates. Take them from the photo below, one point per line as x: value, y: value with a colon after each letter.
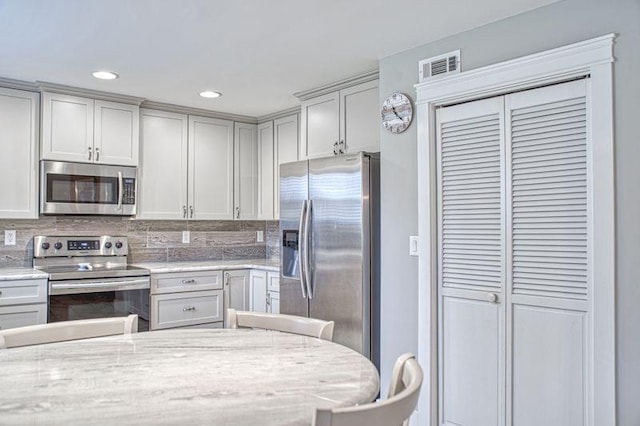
x: 396, y: 112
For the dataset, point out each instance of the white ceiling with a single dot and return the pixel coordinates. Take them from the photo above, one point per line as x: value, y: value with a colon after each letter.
x: 256, y: 52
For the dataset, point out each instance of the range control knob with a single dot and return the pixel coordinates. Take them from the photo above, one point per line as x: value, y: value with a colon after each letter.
x: 45, y: 246
x: 119, y: 245
x: 108, y: 244
x: 58, y: 245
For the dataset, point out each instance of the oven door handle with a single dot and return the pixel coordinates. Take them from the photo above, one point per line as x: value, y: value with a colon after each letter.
x: 70, y: 287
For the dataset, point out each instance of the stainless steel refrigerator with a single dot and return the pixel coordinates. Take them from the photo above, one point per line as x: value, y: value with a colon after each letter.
x: 329, y: 254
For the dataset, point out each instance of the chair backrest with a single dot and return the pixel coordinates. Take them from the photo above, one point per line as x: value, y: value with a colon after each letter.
x: 280, y: 322
x: 67, y: 330
x: 404, y: 391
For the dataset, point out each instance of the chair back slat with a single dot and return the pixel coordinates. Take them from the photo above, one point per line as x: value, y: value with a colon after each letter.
x: 280, y: 322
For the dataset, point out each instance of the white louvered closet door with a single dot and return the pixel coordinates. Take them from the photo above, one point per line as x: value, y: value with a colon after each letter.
x: 514, y: 259
x: 548, y: 251
x: 471, y: 176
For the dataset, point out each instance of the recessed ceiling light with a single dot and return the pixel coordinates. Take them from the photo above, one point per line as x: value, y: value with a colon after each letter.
x: 105, y: 75
x: 210, y: 94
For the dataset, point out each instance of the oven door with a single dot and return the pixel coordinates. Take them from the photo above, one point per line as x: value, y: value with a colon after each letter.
x: 100, y: 298
x: 73, y: 188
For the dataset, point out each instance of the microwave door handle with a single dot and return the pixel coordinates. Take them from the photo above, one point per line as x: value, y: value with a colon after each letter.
x: 120, y: 189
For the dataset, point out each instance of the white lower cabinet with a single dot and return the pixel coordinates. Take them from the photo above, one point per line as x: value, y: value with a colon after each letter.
x: 237, y: 289
x: 273, y: 292
x: 258, y: 291
x: 22, y: 303
x: 186, y: 299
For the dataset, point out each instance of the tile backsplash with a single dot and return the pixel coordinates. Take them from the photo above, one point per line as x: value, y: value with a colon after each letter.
x: 149, y: 241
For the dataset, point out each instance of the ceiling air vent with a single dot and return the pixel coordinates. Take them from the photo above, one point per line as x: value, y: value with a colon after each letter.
x: 448, y: 63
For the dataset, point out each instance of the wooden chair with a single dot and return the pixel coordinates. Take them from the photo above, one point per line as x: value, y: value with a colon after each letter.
x: 406, y: 380
x: 280, y: 322
x: 67, y: 330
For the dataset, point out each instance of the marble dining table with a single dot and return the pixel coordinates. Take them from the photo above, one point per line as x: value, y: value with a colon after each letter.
x: 182, y: 376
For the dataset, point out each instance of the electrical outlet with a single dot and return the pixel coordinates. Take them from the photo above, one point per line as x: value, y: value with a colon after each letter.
x: 186, y: 237
x: 413, y: 245
x: 259, y: 236
x: 9, y: 238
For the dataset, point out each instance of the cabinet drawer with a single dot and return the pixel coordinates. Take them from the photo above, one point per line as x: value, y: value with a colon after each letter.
x: 21, y: 292
x: 190, y: 308
x: 23, y: 315
x: 190, y: 281
x: 273, y: 281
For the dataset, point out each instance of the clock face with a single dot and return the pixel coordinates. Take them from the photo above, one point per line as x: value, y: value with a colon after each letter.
x: 396, y: 113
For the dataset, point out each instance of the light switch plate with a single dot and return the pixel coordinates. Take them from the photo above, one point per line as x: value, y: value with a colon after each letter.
x: 186, y: 237
x: 259, y: 236
x: 414, y: 241
x: 10, y: 238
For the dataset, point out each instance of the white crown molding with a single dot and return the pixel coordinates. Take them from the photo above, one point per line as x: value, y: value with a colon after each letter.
x: 198, y: 111
x: 279, y: 114
x: 338, y: 85
x: 10, y: 83
x: 564, y: 62
x: 94, y: 94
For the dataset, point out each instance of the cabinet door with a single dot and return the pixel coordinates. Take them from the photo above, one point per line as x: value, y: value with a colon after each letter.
x: 210, y: 168
x: 18, y: 154
x: 116, y: 135
x: 246, y: 172
x: 67, y: 128
x: 360, y: 117
x: 162, y: 177
x: 258, y: 291
x: 236, y: 290
x: 273, y: 302
x: 320, y: 126
x: 22, y: 315
x: 266, y: 172
x: 285, y: 132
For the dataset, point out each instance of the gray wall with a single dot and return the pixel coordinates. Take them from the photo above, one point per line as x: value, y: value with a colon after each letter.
x: 552, y: 26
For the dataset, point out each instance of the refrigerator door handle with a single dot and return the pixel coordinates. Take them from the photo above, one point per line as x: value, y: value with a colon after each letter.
x: 307, y: 244
x: 301, y: 251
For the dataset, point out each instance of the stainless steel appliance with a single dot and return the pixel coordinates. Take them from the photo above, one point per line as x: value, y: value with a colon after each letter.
x: 89, y: 278
x: 75, y: 188
x: 329, y: 258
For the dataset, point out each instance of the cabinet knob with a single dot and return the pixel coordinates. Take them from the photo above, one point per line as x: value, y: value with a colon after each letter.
x: 492, y: 297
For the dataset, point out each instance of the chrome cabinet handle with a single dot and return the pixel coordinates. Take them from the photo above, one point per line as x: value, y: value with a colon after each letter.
x: 342, y: 147
x: 226, y: 278
x: 192, y: 281
x: 97, y: 154
x: 335, y: 148
x: 90, y: 154
x: 192, y: 308
x: 237, y: 212
x: 184, y: 212
x: 191, y: 212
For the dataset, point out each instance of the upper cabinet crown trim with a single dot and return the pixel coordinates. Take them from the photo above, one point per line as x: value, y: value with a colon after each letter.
x: 11, y: 83
x: 199, y: 112
x: 279, y: 114
x: 338, y: 85
x: 94, y: 94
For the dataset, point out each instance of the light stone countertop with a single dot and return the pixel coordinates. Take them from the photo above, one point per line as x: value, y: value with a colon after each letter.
x: 214, y: 265
x: 7, y: 274
x: 182, y: 376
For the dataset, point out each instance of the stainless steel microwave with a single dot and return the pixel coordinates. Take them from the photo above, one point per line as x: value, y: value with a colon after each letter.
x: 75, y: 188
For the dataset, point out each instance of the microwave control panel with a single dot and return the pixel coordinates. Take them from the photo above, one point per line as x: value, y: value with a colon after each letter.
x: 128, y: 191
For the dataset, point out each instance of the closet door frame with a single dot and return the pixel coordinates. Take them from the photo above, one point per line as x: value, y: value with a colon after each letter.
x: 592, y: 58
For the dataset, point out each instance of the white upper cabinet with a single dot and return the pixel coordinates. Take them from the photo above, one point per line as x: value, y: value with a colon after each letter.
x: 18, y: 154
x: 341, y: 122
x: 116, y: 133
x: 162, y: 183
x: 83, y: 130
x: 210, y: 168
x: 246, y: 172
x: 186, y: 167
x: 266, y: 171
x: 285, y: 132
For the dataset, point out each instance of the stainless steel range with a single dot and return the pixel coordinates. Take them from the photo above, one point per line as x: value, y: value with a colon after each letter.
x: 89, y: 277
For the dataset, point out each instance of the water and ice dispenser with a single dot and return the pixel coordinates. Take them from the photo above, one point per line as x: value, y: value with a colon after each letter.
x: 289, y: 253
